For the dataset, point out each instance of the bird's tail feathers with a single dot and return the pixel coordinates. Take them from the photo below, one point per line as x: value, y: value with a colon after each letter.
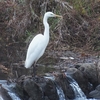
x: 26, y: 64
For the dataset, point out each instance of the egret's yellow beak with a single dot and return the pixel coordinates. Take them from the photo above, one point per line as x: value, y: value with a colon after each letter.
x: 58, y: 16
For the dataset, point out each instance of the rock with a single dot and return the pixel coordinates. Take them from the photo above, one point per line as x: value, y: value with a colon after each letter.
x: 90, y: 71
x: 63, y: 82
x: 40, y: 88
x: 50, y: 90
x: 37, y: 88
x: 95, y: 93
x: 33, y: 89
x: 80, y: 79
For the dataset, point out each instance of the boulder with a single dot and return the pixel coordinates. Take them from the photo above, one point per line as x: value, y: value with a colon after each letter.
x: 33, y: 89
x: 36, y: 88
x: 63, y: 82
x: 50, y: 90
x: 79, y: 78
x: 95, y: 93
x: 90, y: 71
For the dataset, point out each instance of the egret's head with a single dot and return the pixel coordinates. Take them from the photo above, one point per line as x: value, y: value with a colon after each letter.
x: 50, y: 14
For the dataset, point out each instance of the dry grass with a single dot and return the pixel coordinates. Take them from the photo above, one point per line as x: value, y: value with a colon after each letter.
x: 21, y: 18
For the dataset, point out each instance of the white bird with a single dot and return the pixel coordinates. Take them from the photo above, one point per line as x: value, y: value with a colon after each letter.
x: 39, y: 43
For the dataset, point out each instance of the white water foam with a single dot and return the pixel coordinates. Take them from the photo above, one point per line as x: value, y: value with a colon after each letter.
x: 1, y: 98
x: 13, y: 96
x: 60, y: 93
x: 58, y: 88
x: 79, y: 95
x: 9, y: 90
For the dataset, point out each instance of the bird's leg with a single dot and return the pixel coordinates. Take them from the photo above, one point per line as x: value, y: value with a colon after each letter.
x: 34, y: 69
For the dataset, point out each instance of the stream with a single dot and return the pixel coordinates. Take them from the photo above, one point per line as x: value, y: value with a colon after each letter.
x: 8, y: 88
x: 79, y: 95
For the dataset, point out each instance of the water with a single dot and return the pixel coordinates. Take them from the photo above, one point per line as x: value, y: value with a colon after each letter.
x: 1, y: 98
x: 79, y: 95
x: 8, y: 88
x: 13, y: 96
x: 60, y: 92
x: 58, y: 88
x: 77, y: 90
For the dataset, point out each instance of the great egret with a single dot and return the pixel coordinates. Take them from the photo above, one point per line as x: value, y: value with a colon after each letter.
x: 39, y: 43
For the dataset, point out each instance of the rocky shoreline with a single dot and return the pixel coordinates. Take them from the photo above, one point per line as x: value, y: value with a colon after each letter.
x: 87, y: 76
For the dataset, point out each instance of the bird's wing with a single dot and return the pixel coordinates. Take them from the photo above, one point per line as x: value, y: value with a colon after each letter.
x: 34, y: 44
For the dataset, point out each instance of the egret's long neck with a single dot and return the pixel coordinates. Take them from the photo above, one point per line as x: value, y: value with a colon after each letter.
x: 46, y: 28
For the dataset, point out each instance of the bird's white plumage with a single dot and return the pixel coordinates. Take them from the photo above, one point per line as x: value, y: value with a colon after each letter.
x: 35, y: 50
x: 39, y: 43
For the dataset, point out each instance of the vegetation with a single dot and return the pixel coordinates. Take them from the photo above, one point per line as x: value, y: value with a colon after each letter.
x: 20, y: 19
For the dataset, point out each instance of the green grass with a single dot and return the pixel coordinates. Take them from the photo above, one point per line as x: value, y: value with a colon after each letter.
x: 28, y: 33
x: 82, y: 7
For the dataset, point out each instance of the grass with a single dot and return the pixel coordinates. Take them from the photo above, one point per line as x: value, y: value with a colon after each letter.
x: 83, y: 7
x: 28, y: 33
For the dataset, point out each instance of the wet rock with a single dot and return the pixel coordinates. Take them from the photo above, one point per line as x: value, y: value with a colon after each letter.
x: 63, y: 82
x: 90, y: 71
x: 80, y: 79
x: 40, y: 88
x: 50, y: 90
x: 33, y: 89
x: 36, y: 88
x: 95, y: 93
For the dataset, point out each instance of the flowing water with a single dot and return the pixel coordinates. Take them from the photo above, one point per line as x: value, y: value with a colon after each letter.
x: 9, y: 90
x: 58, y: 88
x: 60, y: 92
x: 79, y: 95
x: 77, y: 90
